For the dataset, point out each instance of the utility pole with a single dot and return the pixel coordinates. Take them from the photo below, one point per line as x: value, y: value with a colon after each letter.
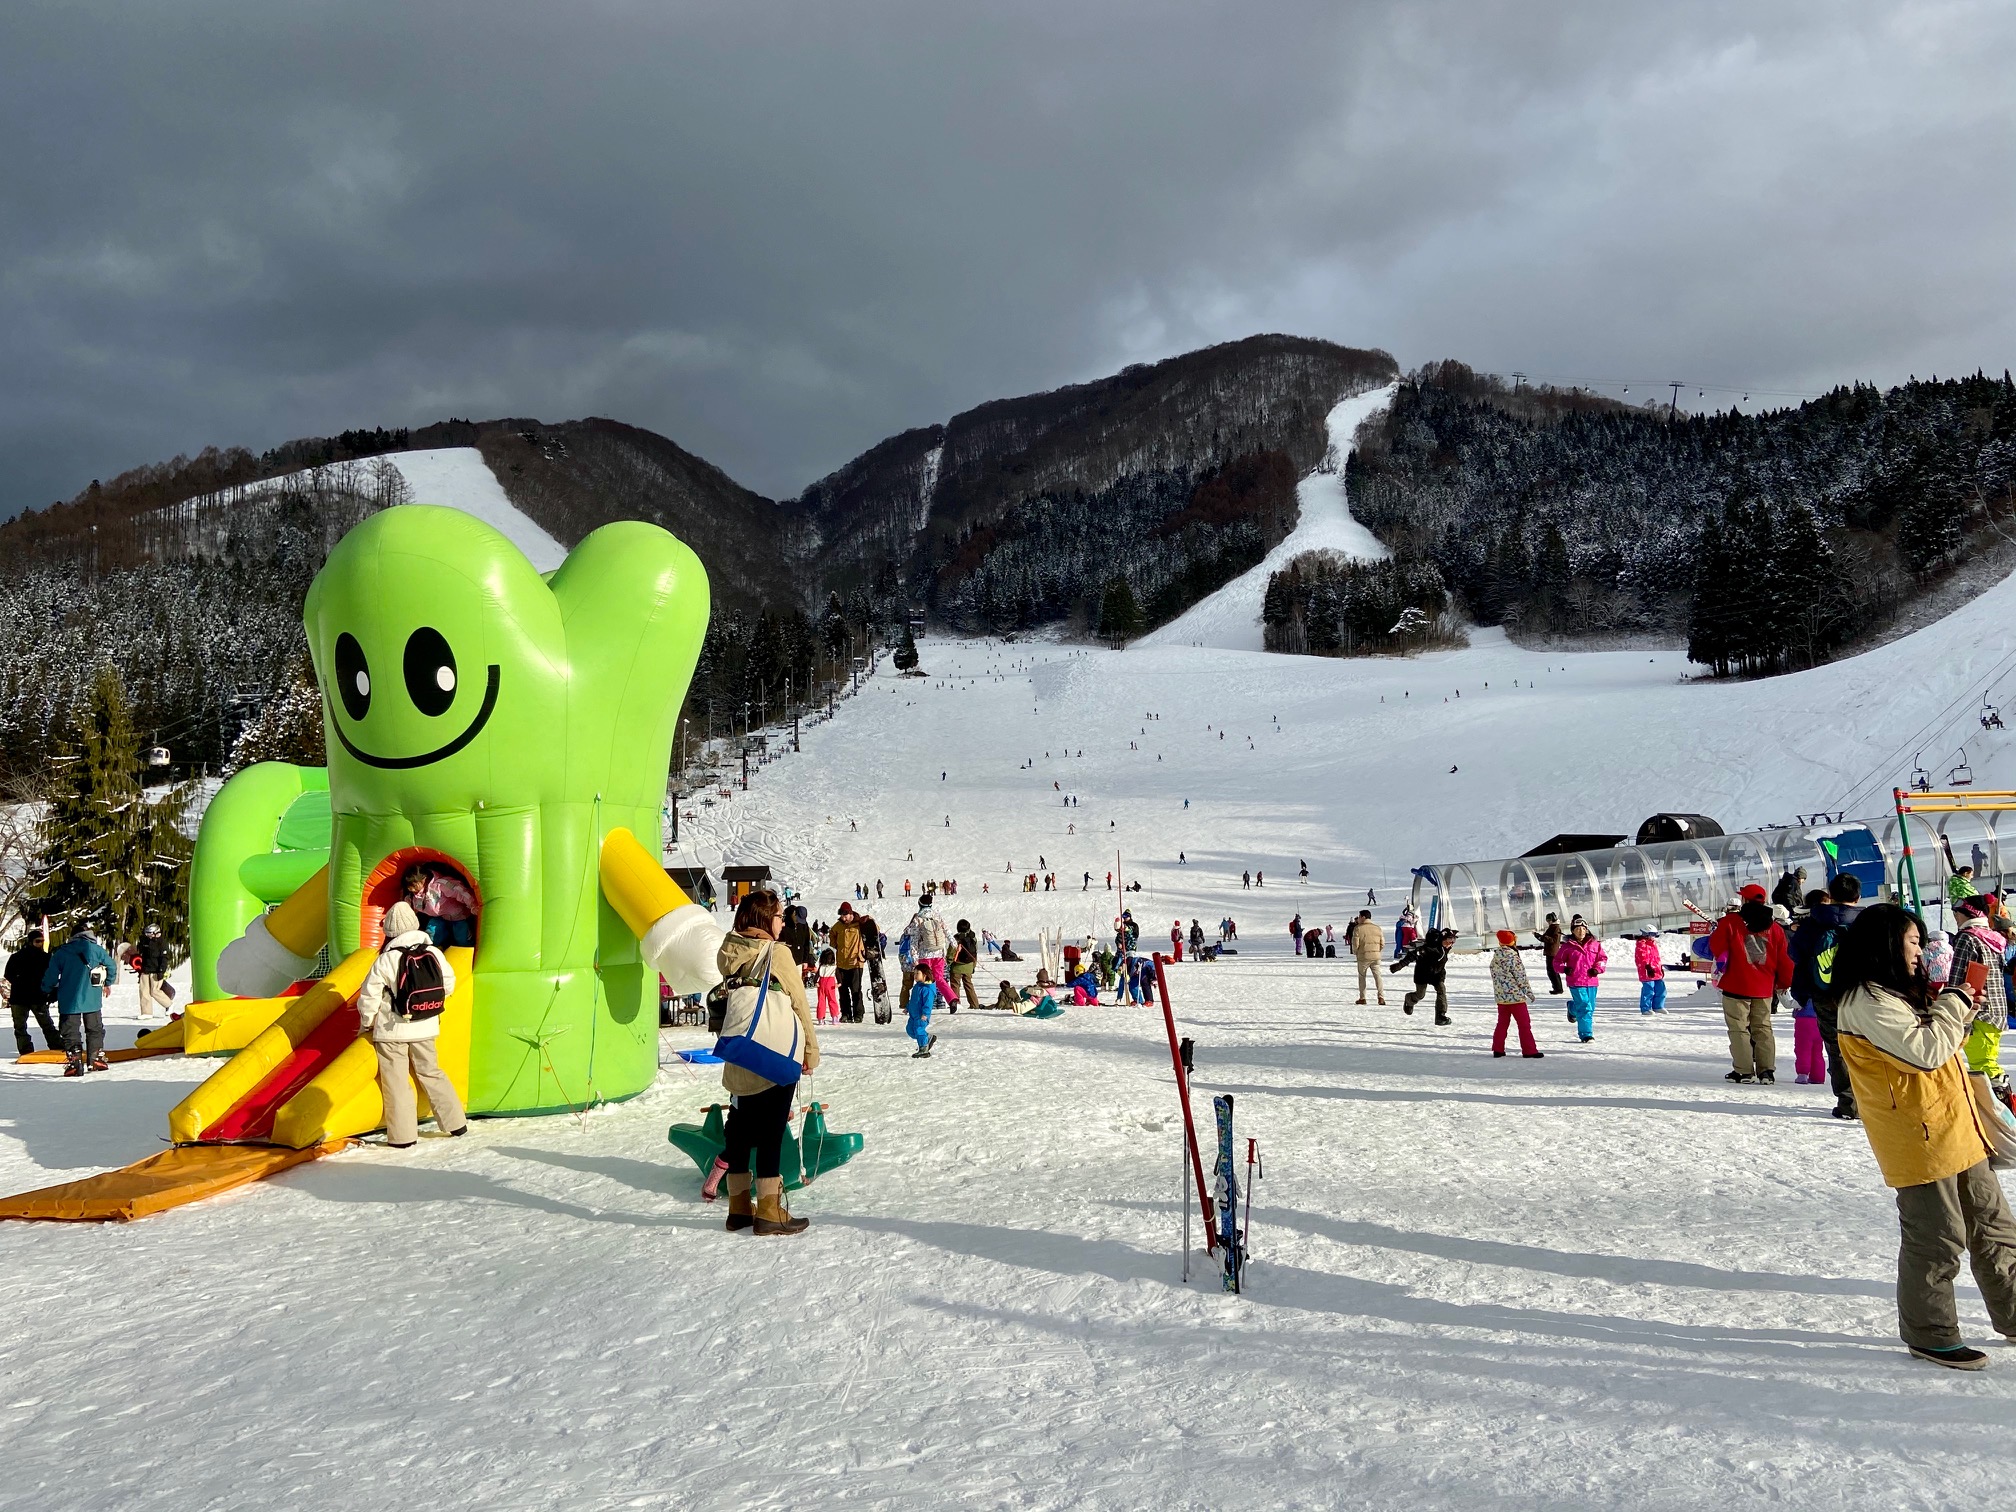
x: 1517, y: 380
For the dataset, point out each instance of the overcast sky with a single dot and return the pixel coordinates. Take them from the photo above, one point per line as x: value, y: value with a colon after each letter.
x: 778, y: 232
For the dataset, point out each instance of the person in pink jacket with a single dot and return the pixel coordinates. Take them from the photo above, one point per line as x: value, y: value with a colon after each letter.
x: 1651, y: 973
x: 1580, y: 959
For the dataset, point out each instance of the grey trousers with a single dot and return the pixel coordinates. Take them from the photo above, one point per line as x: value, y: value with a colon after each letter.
x: 1938, y: 1221
x: 1752, y: 1045
x: 398, y: 1058
x: 84, y: 1034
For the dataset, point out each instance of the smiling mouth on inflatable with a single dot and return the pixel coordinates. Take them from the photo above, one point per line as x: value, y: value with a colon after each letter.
x: 439, y: 753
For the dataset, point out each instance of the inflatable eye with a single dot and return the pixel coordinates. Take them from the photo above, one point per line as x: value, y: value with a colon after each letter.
x: 353, y: 676
x: 430, y: 671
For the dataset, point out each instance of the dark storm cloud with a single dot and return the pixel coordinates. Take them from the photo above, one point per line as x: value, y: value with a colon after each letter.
x: 780, y: 232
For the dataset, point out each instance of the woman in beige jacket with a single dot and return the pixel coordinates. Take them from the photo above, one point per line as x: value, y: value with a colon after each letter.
x: 761, y: 1109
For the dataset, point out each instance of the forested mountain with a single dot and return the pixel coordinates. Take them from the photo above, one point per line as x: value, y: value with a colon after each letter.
x: 1557, y: 514
x: 1017, y: 512
x: 1771, y: 540
x: 188, y: 576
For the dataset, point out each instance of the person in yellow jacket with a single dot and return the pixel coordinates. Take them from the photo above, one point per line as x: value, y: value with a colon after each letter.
x: 1902, y: 1045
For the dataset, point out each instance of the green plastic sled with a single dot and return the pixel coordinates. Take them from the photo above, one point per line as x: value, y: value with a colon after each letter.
x: 705, y: 1141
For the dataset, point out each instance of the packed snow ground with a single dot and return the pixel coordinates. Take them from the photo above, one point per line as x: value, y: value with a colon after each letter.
x: 1230, y: 618
x: 1602, y: 1279
x: 1605, y: 1279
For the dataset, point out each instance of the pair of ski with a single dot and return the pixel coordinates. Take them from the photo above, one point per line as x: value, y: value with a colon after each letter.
x: 1231, y: 1231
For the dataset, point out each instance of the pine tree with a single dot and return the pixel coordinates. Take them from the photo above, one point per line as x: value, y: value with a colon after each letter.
x: 1119, y: 614
x: 906, y: 651
x: 109, y: 853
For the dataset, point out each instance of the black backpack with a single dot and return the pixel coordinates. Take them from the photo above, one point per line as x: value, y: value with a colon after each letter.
x: 418, y: 991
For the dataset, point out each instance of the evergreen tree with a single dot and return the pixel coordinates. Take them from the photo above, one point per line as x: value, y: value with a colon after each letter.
x: 1119, y: 614
x: 906, y: 651
x: 109, y: 852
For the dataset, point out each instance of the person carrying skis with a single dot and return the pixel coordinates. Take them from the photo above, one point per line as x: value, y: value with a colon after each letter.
x: 79, y: 978
x: 926, y: 937
x: 399, y: 1011
x: 1550, y: 946
x: 1429, y: 956
x: 1406, y: 930
x: 1902, y: 1046
x: 1367, y: 944
x: 25, y: 995
x: 1758, y: 967
x: 1510, y: 988
x: 1580, y: 960
x: 1651, y: 973
x: 917, y: 1011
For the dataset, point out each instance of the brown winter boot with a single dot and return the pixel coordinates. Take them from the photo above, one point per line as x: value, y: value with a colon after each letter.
x: 741, y: 1211
x: 771, y: 1218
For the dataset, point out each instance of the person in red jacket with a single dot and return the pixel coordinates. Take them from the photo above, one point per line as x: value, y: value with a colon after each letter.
x: 1759, y: 967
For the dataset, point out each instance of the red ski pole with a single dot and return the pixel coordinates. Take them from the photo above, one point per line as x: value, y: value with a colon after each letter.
x: 1183, y: 1093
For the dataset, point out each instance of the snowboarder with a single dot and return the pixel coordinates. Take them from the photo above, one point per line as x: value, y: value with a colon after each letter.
x: 850, y: 959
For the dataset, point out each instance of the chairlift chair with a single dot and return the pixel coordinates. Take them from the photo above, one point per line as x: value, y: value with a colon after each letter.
x: 1962, y: 774
x: 1921, y: 780
x: 1991, y: 717
x: 157, y: 756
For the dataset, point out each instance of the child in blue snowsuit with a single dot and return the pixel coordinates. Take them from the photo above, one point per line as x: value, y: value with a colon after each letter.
x: 917, y: 1021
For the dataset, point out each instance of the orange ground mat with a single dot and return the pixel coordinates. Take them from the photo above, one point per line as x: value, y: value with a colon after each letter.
x: 57, y: 1057
x: 187, y: 1173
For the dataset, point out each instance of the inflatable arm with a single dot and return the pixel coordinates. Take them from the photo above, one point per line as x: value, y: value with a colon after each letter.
x: 279, y: 948
x: 677, y: 937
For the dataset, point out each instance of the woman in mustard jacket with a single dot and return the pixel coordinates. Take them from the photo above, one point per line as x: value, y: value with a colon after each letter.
x: 1902, y: 1045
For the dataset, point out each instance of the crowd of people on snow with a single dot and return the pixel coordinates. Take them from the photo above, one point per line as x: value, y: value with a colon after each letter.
x: 64, y: 990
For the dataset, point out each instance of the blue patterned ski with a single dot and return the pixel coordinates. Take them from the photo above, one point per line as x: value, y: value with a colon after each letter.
x: 1227, y: 1194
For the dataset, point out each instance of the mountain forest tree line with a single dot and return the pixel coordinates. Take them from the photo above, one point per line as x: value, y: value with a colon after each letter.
x: 1772, y: 540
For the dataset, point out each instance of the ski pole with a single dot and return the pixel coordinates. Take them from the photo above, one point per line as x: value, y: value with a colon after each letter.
x: 1252, y: 1161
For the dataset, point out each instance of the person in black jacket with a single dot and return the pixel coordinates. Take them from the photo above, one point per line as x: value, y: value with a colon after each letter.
x: 1430, y: 958
x: 152, y: 961
x: 25, y: 994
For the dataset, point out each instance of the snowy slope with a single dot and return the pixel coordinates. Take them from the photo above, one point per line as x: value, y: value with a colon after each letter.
x: 458, y: 477
x: 1608, y: 1280
x: 1230, y: 618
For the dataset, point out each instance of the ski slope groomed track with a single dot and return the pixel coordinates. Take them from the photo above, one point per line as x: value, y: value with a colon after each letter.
x: 1601, y: 1279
